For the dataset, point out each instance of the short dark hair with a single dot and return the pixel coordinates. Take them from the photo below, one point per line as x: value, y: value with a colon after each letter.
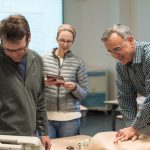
x: 14, y: 28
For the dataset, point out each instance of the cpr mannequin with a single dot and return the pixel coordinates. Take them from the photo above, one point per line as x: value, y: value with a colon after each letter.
x: 104, y: 141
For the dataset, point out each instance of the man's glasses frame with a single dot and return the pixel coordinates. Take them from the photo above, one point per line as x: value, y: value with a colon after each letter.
x: 116, y: 50
x: 19, y: 50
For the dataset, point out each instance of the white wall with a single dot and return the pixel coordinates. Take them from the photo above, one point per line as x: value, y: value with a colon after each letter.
x: 92, y: 17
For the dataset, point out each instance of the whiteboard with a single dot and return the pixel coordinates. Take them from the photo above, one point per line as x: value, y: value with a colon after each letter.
x: 44, y: 17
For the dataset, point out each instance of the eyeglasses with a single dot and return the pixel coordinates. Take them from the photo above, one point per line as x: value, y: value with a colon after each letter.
x: 19, y: 50
x: 116, y: 49
x: 16, y: 51
x: 65, y: 41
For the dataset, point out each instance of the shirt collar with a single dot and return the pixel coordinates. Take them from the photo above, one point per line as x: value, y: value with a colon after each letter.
x: 138, y: 53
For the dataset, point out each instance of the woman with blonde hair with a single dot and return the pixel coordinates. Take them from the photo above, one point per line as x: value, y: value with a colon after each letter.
x: 63, y: 96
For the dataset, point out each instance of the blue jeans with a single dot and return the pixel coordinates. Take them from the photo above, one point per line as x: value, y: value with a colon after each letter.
x: 57, y: 129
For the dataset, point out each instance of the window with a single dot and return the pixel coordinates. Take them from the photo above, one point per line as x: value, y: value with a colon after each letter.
x: 44, y: 17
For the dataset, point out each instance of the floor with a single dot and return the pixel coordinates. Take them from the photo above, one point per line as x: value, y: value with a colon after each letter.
x: 97, y: 121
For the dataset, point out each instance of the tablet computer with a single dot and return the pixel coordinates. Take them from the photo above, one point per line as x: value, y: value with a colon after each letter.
x: 55, y: 77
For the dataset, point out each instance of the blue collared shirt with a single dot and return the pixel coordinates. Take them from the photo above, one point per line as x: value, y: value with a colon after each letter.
x: 21, y: 67
x: 133, y: 79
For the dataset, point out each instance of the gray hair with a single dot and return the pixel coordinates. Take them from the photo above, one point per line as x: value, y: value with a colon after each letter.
x: 120, y: 29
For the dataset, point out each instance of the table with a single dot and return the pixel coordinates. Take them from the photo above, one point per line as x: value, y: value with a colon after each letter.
x: 83, y: 110
x: 114, y: 105
x: 62, y: 143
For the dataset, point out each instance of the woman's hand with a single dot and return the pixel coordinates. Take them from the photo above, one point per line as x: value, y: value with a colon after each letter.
x: 69, y: 85
x: 49, y: 82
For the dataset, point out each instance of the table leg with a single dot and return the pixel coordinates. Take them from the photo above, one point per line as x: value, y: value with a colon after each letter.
x: 114, y: 117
